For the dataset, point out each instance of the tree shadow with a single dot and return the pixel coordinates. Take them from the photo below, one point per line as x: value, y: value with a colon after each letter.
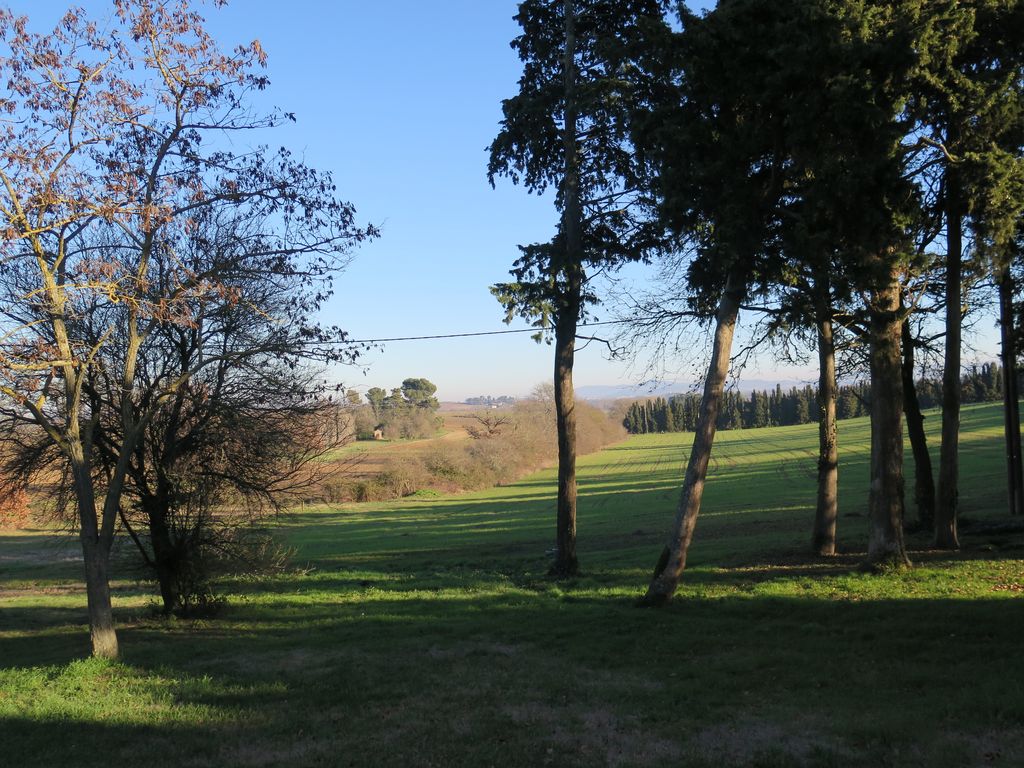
x: 344, y: 672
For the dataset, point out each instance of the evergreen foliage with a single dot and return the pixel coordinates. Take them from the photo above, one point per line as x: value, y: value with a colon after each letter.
x: 779, y: 408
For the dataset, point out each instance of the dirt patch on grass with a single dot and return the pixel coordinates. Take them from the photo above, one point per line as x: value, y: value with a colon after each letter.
x: 621, y: 683
x: 298, y: 663
x: 464, y: 650
x: 597, y: 736
x: 749, y: 740
x: 257, y: 754
x: 994, y: 748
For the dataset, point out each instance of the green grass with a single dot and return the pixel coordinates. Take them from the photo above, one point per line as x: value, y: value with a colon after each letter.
x: 425, y: 632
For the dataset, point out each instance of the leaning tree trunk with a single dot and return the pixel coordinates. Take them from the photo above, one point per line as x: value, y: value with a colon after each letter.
x: 673, y: 559
x: 924, y: 481
x: 96, y: 555
x: 885, y: 542
x: 949, y: 454
x: 1011, y: 406
x: 823, y: 540
x: 567, y: 319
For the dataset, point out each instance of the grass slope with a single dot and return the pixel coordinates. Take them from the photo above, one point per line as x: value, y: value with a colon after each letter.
x: 425, y: 632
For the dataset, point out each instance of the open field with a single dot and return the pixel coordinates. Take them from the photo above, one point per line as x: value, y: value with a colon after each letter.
x: 474, y: 448
x: 366, y: 458
x: 425, y: 632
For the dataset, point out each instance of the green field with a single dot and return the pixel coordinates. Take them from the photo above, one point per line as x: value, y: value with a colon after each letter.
x: 425, y: 632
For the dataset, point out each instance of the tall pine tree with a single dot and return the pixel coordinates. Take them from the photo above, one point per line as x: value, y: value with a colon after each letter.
x: 568, y: 129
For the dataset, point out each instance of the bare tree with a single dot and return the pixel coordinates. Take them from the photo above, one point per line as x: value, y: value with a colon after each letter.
x: 113, y: 136
x: 488, y: 425
x: 242, y: 433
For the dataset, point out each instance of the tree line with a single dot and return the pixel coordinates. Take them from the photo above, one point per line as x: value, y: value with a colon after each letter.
x: 848, y: 173
x: 798, y: 405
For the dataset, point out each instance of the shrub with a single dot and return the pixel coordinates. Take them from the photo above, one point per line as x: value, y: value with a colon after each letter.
x: 526, y: 441
x: 232, y: 550
x: 411, y: 424
x: 336, y: 489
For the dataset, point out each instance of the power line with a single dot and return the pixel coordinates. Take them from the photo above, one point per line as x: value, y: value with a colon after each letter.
x: 477, y: 333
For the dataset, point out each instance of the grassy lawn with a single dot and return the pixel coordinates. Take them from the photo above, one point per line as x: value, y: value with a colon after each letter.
x: 425, y: 632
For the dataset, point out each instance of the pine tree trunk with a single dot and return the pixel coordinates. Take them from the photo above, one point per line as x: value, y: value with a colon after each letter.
x: 885, y: 542
x: 1011, y: 405
x: 924, y: 481
x: 566, y: 563
x: 673, y: 559
x: 948, y: 499
x: 96, y: 555
x: 567, y: 318
x: 823, y: 541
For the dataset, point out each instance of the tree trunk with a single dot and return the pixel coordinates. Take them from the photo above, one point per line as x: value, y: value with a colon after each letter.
x: 924, y: 481
x: 567, y: 318
x: 885, y: 505
x: 823, y: 541
x: 165, y: 558
x: 673, y: 559
x: 566, y: 563
x: 948, y: 499
x: 97, y: 587
x: 96, y: 555
x: 1011, y: 406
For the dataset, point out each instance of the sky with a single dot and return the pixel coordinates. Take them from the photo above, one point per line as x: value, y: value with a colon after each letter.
x: 399, y: 100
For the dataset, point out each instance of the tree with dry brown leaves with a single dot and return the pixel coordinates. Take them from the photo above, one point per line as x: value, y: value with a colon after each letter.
x: 112, y: 151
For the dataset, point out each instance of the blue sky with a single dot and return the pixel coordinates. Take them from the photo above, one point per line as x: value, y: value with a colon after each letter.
x: 399, y: 100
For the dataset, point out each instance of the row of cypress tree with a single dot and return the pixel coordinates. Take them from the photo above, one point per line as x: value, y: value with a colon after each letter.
x: 797, y: 405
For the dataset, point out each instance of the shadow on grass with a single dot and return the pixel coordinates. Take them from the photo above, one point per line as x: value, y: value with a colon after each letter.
x: 31, y: 543
x: 443, y: 639
x: 433, y: 675
x: 371, y: 605
x: 38, y: 554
